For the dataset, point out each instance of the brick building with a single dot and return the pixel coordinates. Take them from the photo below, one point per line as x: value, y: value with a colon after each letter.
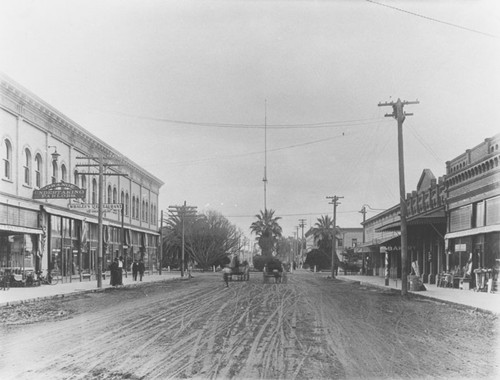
x: 41, y: 146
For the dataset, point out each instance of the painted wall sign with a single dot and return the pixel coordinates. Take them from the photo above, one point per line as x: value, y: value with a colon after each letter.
x: 94, y: 207
x: 59, y: 190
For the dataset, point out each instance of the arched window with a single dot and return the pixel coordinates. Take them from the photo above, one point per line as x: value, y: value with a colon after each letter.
x: 127, y: 200
x: 137, y: 206
x: 38, y: 171
x: 75, y: 177
x: 7, y: 160
x: 94, y: 191
x: 146, y: 212
x: 110, y: 194
x: 63, y: 173
x: 84, y: 183
x: 55, y: 171
x: 133, y: 206
x: 115, y: 194
x: 122, y: 198
x: 27, y: 167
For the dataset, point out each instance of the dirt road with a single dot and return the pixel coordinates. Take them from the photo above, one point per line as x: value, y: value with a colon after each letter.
x: 309, y: 328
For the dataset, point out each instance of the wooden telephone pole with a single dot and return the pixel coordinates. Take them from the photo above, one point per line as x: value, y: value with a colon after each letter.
x: 183, y: 212
x: 335, y: 203
x: 400, y: 116
x: 101, y: 165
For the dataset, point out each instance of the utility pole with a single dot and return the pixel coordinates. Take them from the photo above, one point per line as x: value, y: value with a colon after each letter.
x: 400, y: 116
x: 363, y: 211
x: 101, y: 165
x: 160, y: 248
x: 302, y: 223
x: 183, y: 212
x: 335, y: 202
x: 297, y: 252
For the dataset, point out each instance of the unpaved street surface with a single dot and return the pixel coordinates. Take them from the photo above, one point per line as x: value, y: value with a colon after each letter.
x: 309, y: 328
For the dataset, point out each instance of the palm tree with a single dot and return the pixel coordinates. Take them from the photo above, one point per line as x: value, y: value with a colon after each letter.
x: 323, y: 233
x: 267, y: 229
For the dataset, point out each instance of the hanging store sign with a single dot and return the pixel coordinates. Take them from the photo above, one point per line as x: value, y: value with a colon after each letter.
x: 460, y: 247
x: 59, y: 190
x: 93, y: 208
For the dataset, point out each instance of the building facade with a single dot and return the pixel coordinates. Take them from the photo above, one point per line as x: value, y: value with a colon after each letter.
x: 473, y: 225
x: 40, y: 146
x: 451, y: 221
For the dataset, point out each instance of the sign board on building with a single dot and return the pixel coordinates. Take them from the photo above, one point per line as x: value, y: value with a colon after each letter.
x: 59, y: 190
x: 93, y: 208
x: 460, y: 248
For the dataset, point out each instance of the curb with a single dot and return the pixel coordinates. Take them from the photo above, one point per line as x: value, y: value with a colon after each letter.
x: 79, y: 292
x: 421, y: 296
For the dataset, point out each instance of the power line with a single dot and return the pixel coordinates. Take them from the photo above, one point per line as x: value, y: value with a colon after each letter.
x: 433, y: 19
x: 324, y: 124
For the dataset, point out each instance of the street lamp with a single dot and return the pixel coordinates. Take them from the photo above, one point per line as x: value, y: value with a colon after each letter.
x: 54, y: 155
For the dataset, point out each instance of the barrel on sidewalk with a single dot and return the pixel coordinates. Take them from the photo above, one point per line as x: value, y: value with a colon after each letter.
x: 416, y: 283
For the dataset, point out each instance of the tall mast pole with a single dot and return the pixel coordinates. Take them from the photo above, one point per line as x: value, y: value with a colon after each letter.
x: 265, y: 156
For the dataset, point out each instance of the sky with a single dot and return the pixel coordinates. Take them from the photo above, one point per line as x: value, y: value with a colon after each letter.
x: 205, y: 94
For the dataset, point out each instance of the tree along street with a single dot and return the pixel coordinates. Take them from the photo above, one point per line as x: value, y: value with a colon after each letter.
x: 308, y: 328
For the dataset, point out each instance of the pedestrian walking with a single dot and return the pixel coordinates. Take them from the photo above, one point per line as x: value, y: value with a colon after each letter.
x: 113, y: 269
x: 226, y: 272
x: 140, y: 268
x: 120, y: 271
x: 135, y: 269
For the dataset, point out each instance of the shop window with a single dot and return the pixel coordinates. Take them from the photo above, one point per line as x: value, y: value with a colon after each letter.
x: 7, y: 159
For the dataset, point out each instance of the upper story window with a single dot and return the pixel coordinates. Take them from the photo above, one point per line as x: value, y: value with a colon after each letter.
x: 27, y: 167
x: 64, y: 176
x: 94, y: 191
x: 354, y: 242
x: 110, y: 194
x: 127, y: 200
x: 75, y: 177
x: 84, y: 183
x: 133, y: 206
x: 55, y: 171
x: 7, y: 160
x: 38, y: 171
x: 115, y: 195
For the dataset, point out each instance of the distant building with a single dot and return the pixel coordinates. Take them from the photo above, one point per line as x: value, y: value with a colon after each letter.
x: 40, y: 146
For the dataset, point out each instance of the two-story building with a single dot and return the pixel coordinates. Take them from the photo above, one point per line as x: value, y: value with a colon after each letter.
x: 46, y: 159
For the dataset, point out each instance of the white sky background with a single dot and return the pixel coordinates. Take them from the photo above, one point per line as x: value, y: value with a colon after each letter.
x: 113, y: 66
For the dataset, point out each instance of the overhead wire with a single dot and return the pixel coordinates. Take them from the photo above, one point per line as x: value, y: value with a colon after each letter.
x: 323, y: 124
x: 433, y: 19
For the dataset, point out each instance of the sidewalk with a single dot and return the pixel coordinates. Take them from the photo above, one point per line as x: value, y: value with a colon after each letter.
x: 31, y: 294
x: 484, y: 301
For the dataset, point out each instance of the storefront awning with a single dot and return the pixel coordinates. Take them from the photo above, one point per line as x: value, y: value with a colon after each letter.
x: 473, y: 231
x: 10, y: 229
x: 372, y: 246
x: 436, y: 217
